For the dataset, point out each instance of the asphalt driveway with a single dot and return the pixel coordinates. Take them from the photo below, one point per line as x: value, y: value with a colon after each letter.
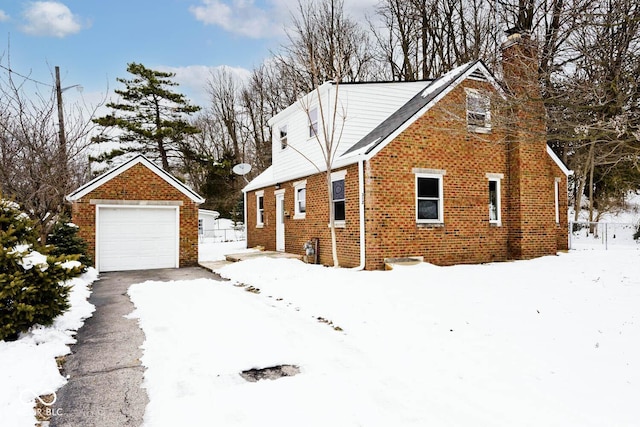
x: 104, y: 370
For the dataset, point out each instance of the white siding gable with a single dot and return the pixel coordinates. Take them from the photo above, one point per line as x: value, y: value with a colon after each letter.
x: 360, y: 108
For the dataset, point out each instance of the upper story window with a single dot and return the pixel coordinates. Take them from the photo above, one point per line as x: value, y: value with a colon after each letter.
x: 283, y: 137
x: 313, y: 122
x: 429, y: 198
x: 478, y: 111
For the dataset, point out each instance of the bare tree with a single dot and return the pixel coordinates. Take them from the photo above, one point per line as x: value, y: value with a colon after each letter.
x: 323, y: 47
x: 599, y: 114
x: 33, y: 170
x: 420, y: 39
x: 233, y: 129
x: 323, y: 35
x: 224, y: 93
x: 261, y: 99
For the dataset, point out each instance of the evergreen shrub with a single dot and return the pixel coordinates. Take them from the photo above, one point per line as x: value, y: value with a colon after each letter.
x: 32, y: 282
x: 64, y: 240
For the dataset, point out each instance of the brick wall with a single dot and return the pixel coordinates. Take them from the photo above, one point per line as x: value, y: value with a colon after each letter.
x: 440, y: 140
x: 316, y: 221
x: 140, y: 183
x: 533, y: 229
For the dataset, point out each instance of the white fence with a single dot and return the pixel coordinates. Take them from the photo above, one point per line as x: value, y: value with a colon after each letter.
x: 215, y: 235
x: 602, y: 235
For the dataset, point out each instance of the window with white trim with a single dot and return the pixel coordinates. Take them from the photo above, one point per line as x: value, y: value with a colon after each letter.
x: 339, y: 212
x: 495, y: 216
x: 556, y: 192
x: 478, y: 111
x: 260, y: 209
x: 429, y: 198
x: 313, y: 122
x: 300, y: 196
x: 283, y: 137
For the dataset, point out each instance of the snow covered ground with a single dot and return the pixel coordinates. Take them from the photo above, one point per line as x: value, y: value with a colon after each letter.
x: 28, y: 367
x: 614, y: 230
x: 553, y: 341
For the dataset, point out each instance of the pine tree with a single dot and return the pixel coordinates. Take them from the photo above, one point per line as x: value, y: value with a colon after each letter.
x: 151, y: 116
x: 32, y: 284
x: 64, y: 240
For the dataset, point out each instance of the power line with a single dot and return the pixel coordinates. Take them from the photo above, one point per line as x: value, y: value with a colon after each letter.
x: 25, y: 77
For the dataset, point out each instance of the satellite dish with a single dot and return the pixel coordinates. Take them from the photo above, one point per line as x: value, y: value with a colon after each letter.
x: 242, y: 169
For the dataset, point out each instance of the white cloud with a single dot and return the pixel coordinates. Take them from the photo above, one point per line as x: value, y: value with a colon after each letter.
x: 193, y: 79
x: 250, y: 19
x: 3, y: 16
x: 241, y: 17
x: 50, y: 18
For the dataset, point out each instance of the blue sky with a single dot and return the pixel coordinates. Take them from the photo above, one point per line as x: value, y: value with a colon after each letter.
x: 93, y: 40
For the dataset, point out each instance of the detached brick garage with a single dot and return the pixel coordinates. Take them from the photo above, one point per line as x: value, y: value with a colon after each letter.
x: 137, y: 217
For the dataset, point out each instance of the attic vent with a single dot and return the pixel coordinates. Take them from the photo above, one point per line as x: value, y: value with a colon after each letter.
x: 478, y: 75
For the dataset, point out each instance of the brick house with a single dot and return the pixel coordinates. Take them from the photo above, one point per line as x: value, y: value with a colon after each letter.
x: 137, y: 216
x: 451, y: 170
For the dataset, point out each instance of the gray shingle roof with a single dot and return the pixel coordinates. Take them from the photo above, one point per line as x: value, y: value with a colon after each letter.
x: 408, y: 110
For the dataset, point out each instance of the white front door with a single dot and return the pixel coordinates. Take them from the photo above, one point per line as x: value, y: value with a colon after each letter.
x: 280, y: 222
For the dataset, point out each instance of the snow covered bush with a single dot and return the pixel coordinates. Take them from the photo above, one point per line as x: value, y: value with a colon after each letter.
x: 64, y: 240
x: 32, y: 283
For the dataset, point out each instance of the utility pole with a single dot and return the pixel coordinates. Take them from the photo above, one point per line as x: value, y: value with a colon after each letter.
x: 62, y: 137
x: 62, y: 141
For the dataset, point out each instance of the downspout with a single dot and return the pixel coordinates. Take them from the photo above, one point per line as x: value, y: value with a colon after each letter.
x: 246, y: 227
x: 362, y: 225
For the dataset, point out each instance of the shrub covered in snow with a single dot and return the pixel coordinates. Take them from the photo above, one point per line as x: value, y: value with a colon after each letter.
x: 32, y: 283
x: 64, y: 240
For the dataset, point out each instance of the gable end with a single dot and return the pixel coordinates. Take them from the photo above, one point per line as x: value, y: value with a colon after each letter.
x: 139, y: 159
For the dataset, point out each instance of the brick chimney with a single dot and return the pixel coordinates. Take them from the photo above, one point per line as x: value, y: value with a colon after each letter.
x: 531, y: 198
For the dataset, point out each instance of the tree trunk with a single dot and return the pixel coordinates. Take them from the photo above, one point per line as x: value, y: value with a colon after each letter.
x: 591, y: 171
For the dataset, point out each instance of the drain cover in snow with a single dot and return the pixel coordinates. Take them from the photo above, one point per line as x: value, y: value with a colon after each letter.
x: 270, y: 373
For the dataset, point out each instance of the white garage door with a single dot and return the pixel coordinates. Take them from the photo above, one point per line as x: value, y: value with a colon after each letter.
x: 137, y: 238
